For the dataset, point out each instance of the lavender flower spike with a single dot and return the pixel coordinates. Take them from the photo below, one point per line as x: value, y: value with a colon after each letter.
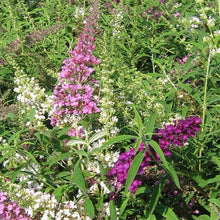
x: 73, y: 95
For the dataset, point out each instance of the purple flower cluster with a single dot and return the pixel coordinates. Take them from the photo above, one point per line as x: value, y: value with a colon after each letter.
x: 154, y: 12
x: 177, y: 134
x: 11, y: 210
x: 171, y: 135
x: 184, y: 59
x: 120, y: 170
x: 2, y: 62
x: 72, y: 132
x: 74, y: 93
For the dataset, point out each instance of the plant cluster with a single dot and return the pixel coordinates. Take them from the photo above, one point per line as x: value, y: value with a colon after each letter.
x: 109, y: 109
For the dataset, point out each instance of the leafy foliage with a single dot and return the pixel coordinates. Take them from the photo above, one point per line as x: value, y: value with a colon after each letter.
x: 150, y: 150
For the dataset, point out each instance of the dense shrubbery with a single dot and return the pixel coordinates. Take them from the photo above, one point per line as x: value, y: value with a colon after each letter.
x: 109, y: 109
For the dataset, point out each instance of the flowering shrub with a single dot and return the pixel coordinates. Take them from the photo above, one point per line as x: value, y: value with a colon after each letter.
x: 109, y: 109
x: 32, y: 96
x: 177, y: 134
x: 38, y: 205
x: 10, y: 210
x: 170, y: 136
x: 73, y: 93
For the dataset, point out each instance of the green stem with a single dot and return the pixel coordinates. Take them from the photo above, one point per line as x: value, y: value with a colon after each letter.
x: 204, y: 105
x: 218, y: 2
x: 153, y: 64
x: 168, y: 78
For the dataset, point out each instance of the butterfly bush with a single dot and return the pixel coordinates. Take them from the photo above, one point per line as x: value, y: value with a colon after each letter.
x: 79, y: 13
x: 177, y: 134
x: 29, y: 172
x: 120, y: 170
x: 171, y: 136
x: 11, y: 210
x: 117, y: 21
x: 74, y: 92
x: 107, y: 116
x: 23, y: 203
x: 95, y: 182
x: 32, y: 96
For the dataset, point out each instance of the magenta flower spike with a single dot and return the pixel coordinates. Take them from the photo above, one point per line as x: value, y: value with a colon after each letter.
x: 11, y: 210
x: 170, y: 136
x: 73, y: 94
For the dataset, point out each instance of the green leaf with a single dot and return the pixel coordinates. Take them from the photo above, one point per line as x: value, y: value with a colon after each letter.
x: 75, y: 142
x: 199, y: 46
x: 32, y: 114
x: 32, y: 157
x: 122, y: 46
x: 99, y: 204
x: 184, y: 111
x: 63, y: 174
x: 80, y: 152
x: 158, y: 150
x: 166, y: 212
x: 39, y: 137
x: 216, y: 202
x: 24, y: 117
x: 154, y: 199
x: 79, y: 179
x: 152, y: 217
x: 97, y: 136
x: 89, y: 207
x: 16, y: 172
x: 168, y: 166
x: 59, y: 191
x: 137, y: 145
x: 133, y: 169
x: 10, y: 150
x: 113, y: 214
x: 173, y: 175
x: 159, y: 64
x: 213, y: 180
x: 138, y: 120
x: 150, y: 125
x: 123, y: 206
x: 11, y: 116
x: 113, y: 141
x: 102, y: 172
x: 201, y: 182
x: 63, y: 132
x: 189, y: 75
x: 216, y: 160
x: 16, y: 135
x: 63, y: 156
x: 143, y: 190
x: 203, y: 217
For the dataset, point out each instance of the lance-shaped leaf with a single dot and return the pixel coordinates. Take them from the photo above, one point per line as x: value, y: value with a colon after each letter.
x: 168, y: 166
x: 138, y: 120
x: 154, y: 199
x: 75, y: 142
x: 89, y: 207
x: 113, y: 214
x: 97, y: 136
x: 149, y: 127
x: 79, y: 179
x: 113, y: 141
x: 132, y: 172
